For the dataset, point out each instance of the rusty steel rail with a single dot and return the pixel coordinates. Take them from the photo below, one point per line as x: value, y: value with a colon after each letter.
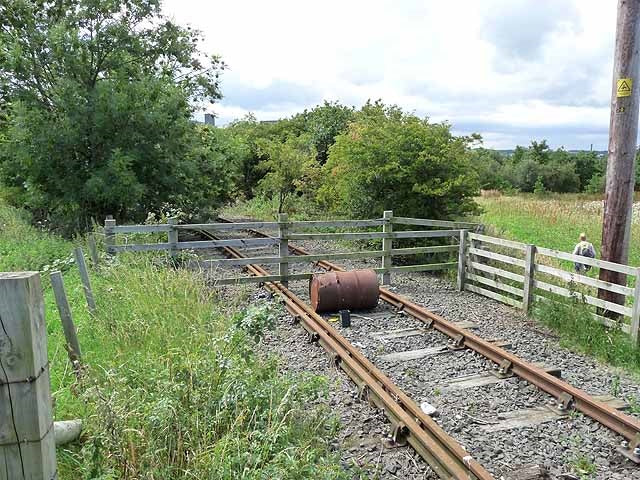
x: 448, y: 459
x: 567, y: 395
x: 625, y: 425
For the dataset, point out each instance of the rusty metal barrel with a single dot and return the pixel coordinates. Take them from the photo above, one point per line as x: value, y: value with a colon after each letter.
x: 333, y: 291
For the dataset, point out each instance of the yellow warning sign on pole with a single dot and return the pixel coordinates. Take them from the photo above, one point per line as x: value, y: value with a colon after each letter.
x: 624, y: 87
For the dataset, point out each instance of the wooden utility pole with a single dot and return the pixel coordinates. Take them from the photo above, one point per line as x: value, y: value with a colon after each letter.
x: 623, y: 132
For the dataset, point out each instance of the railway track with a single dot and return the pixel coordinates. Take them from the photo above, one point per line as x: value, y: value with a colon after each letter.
x: 443, y: 454
x: 447, y: 458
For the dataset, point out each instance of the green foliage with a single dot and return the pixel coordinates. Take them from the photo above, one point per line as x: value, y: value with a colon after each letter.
x: 584, y: 467
x: 323, y: 124
x: 173, y: 386
x: 319, y: 126
x: 249, y: 132
x: 538, y: 187
x: 217, y: 158
x: 559, y: 171
x: 196, y: 401
x: 390, y: 159
x: 579, y: 330
x: 589, y: 166
x: 486, y: 164
x: 24, y: 247
x: 291, y: 168
x: 100, y: 117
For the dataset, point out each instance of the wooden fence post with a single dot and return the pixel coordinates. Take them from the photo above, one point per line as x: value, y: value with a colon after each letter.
x: 84, y: 276
x: 529, y: 271
x: 635, y: 312
x: 109, y: 235
x: 70, y: 334
x: 283, y: 247
x: 387, y: 246
x: 173, y: 237
x: 462, y: 260
x: 27, y: 442
x: 93, y: 250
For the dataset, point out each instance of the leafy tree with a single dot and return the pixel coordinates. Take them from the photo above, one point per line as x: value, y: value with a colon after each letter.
x: 518, y: 154
x: 320, y: 125
x: 100, y: 95
x: 249, y: 132
x: 324, y: 123
x: 588, y: 164
x: 540, y: 151
x: 538, y: 187
x: 388, y: 159
x: 488, y: 164
x: 290, y: 168
x: 561, y: 177
x: 218, y: 157
x: 596, y: 184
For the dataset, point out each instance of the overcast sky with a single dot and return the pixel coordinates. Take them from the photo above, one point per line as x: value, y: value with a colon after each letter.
x: 511, y: 70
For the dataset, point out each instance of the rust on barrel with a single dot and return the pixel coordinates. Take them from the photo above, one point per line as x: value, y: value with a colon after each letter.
x: 333, y: 291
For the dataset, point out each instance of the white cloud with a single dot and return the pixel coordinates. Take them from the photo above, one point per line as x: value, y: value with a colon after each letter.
x: 510, y: 69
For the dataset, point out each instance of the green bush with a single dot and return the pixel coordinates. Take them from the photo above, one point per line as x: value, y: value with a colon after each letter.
x: 26, y: 247
x: 578, y: 329
x: 388, y: 159
x: 178, y: 391
x: 100, y: 117
x: 173, y: 386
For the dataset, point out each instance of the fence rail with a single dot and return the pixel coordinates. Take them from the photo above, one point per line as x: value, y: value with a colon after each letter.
x: 511, y: 272
x: 532, y: 278
x: 447, y: 232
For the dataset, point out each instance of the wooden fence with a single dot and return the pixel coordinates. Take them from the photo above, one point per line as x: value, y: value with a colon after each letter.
x: 518, y: 274
x: 287, y: 231
x: 511, y: 272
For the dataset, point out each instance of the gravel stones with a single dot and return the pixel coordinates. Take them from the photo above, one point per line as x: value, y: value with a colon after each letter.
x: 567, y: 447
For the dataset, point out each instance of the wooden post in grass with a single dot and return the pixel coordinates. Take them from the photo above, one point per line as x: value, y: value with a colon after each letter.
x: 635, y: 312
x: 283, y: 247
x: 173, y: 237
x: 623, y: 135
x: 109, y: 234
x: 529, y: 271
x: 93, y: 250
x: 387, y: 246
x: 70, y: 334
x: 27, y: 443
x: 462, y: 260
x: 84, y: 277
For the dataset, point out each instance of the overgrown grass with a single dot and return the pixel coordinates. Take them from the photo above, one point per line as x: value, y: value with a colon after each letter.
x: 553, y: 221
x: 172, y: 388
x: 578, y: 330
x: 261, y: 208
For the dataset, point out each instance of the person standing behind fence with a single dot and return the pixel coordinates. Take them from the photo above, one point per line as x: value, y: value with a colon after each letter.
x: 584, y: 249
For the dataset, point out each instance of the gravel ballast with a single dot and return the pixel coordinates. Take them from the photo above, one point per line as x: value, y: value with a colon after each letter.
x: 572, y: 446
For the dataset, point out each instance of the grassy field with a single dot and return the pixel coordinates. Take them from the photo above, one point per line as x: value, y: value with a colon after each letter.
x: 553, y: 221
x: 173, y: 388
